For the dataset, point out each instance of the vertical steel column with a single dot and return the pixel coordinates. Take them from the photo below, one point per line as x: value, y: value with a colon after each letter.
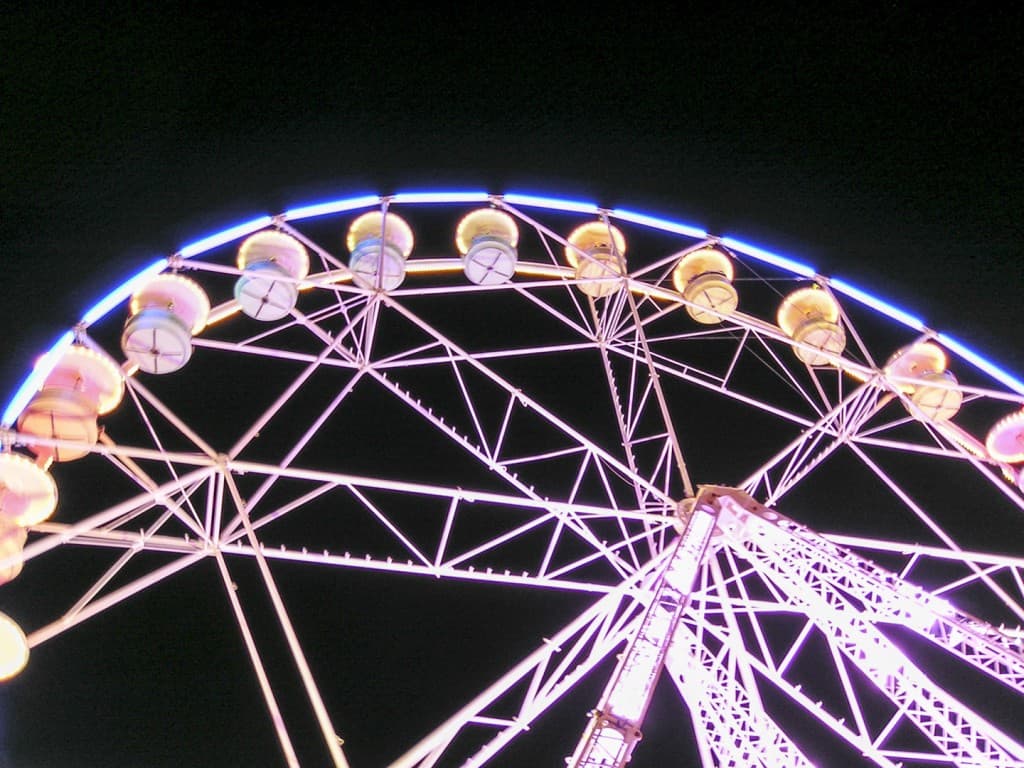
x: 614, y: 728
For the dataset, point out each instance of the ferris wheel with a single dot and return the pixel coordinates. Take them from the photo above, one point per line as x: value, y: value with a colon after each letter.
x: 793, y: 503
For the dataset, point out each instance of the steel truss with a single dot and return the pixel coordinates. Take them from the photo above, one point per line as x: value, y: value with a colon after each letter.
x: 560, y: 456
x: 846, y: 597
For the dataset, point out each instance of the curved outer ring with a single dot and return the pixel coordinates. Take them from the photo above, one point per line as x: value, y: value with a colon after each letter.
x: 45, y: 363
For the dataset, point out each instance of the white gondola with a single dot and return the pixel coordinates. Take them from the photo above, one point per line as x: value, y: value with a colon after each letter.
x: 64, y: 415
x: 919, y: 370
x: 487, y: 239
x: 82, y: 385
x: 596, y: 250
x: 379, y: 246
x: 704, y: 278
x: 1005, y: 441
x: 273, y: 263
x: 810, y: 317
x: 12, y: 542
x: 94, y: 375
x: 13, y: 648
x: 165, y: 314
x: 28, y: 494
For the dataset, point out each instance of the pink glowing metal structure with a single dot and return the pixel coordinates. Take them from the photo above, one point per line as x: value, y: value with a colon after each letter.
x: 571, y: 424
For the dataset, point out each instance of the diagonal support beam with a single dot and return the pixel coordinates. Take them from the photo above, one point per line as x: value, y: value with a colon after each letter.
x: 331, y: 739
x: 547, y: 674
x: 736, y: 731
x: 958, y: 733
x: 886, y: 597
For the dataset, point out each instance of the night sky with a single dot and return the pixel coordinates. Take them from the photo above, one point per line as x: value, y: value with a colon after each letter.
x: 882, y: 144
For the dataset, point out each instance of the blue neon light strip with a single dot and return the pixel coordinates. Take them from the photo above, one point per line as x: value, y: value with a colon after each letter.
x: 878, y: 304
x: 224, y: 236
x: 35, y: 379
x: 440, y: 197
x: 122, y: 292
x: 552, y: 203
x: 331, y: 206
x: 664, y: 225
x: 799, y: 268
x: 982, y: 363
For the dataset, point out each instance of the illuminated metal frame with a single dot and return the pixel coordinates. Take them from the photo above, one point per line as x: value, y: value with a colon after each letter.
x: 99, y: 310
x: 755, y: 549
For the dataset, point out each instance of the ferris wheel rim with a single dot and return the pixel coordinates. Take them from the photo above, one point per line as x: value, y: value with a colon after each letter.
x: 45, y: 362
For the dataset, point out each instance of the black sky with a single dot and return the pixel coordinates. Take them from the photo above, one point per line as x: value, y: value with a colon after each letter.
x: 881, y: 143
